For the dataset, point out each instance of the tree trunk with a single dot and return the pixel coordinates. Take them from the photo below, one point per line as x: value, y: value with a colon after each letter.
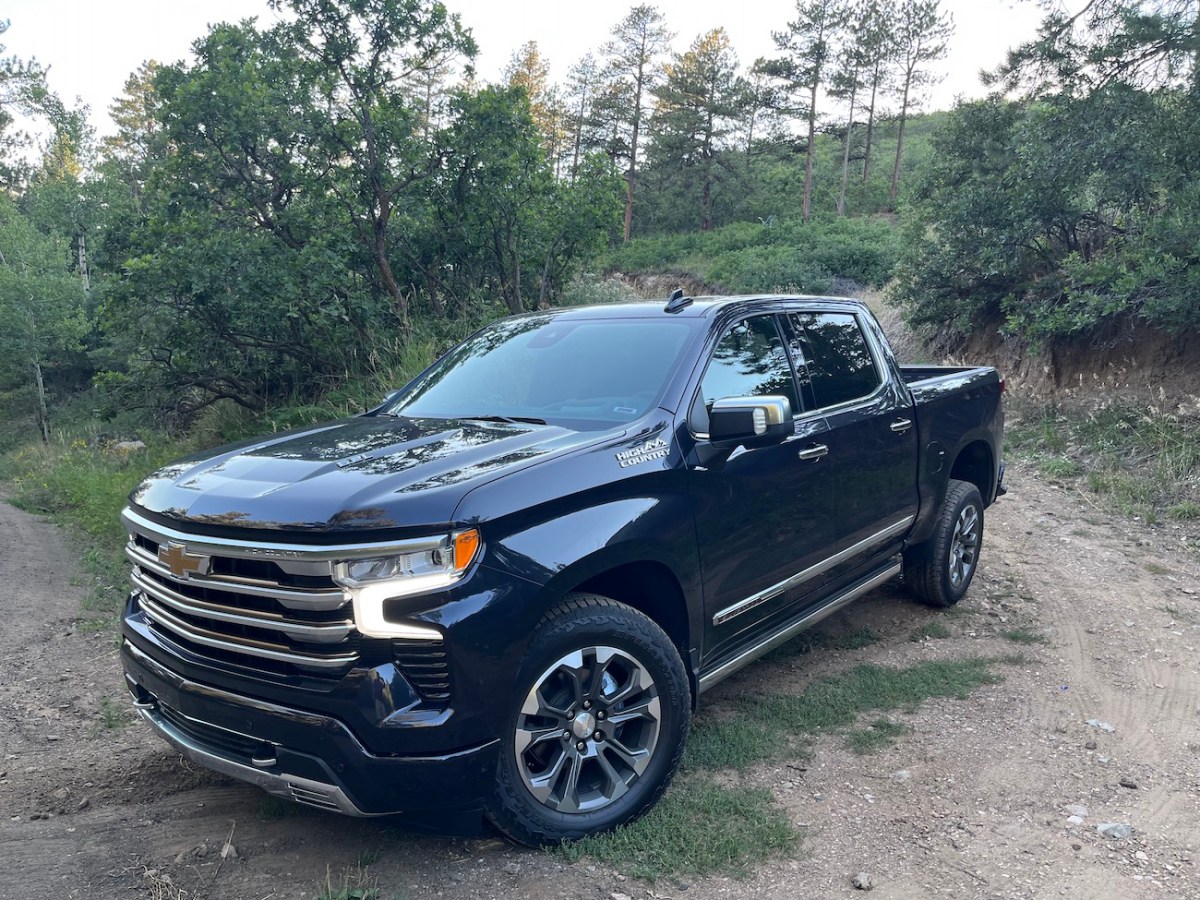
x: 808, y: 155
x: 900, y: 142
x: 631, y: 174
x: 43, y: 416
x: 870, y: 124
x: 841, y: 203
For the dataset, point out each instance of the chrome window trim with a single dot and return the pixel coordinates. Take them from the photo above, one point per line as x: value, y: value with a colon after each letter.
x: 764, y: 596
x: 881, y: 370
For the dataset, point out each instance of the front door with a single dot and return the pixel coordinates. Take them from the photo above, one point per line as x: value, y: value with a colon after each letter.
x: 763, y: 515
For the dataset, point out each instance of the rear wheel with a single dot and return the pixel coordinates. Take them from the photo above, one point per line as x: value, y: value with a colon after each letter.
x: 597, y: 728
x: 940, y: 570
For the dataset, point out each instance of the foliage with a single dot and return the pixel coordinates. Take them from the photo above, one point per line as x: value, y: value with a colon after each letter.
x: 789, y: 256
x: 1073, y: 209
x: 1131, y: 459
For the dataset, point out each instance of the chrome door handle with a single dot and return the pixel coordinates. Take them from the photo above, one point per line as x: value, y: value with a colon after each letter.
x: 901, y: 425
x: 816, y: 451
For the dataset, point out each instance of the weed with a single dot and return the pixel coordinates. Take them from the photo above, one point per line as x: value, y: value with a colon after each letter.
x: 1155, y: 569
x: 879, y: 734
x: 1059, y: 467
x: 699, y: 827
x: 1025, y: 636
x: 272, y: 808
x: 808, y: 641
x: 930, y: 630
x: 1182, y: 615
x: 354, y: 884
x: 767, y: 727
x: 1188, y: 509
x: 112, y: 715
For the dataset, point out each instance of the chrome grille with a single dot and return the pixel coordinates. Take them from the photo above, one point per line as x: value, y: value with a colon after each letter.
x: 280, y: 615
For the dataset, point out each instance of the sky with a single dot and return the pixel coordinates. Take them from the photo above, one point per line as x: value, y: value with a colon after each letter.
x: 92, y: 46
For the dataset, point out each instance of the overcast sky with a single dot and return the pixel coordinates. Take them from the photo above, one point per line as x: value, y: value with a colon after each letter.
x: 91, y: 46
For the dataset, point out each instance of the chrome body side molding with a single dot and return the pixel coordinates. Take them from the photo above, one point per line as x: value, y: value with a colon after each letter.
x: 767, y: 644
x: 811, y: 572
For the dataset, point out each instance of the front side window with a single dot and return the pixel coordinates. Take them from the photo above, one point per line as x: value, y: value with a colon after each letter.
x: 749, y: 361
x: 837, y: 357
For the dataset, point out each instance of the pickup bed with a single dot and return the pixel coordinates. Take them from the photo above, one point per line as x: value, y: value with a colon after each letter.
x: 502, y: 592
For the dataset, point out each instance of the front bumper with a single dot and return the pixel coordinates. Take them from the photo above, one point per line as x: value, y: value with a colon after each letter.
x: 307, y: 757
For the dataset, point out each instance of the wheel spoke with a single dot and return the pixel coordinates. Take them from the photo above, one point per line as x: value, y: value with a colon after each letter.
x: 629, y: 689
x: 649, y: 710
x: 616, y: 785
x: 635, y: 759
x: 529, y: 737
x: 542, y: 786
x: 569, y: 799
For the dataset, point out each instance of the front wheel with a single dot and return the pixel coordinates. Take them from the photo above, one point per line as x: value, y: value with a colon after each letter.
x: 940, y: 570
x: 597, y: 728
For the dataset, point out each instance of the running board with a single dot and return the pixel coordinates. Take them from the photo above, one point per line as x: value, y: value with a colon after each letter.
x: 723, y: 671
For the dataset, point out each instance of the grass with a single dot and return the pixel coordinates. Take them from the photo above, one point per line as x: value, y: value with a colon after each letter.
x: 1155, y: 569
x: 808, y: 641
x: 1025, y: 636
x: 698, y: 828
x: 353, y: 884
x: 84, y: 486
x: 934, y: 630
x: 679, y: 835
x: 1138, y: 461
x: 879, y: 734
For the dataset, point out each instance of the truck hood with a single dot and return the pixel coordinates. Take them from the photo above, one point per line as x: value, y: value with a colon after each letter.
x: 355, y: 475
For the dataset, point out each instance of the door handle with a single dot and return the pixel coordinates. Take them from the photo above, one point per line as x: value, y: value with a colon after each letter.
x: 816, y: 451
x: 901, y: 425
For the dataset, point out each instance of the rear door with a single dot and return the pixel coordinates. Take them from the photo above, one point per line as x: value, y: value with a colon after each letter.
x: 872, y: 437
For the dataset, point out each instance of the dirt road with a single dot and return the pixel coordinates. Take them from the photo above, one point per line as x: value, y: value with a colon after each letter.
x: 974, y: 802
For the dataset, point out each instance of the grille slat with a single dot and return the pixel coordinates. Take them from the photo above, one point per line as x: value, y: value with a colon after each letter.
x: 426, y: 667
x: 227, y: 609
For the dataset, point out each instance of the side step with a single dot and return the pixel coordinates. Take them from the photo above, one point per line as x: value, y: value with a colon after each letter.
x: 789, y: 631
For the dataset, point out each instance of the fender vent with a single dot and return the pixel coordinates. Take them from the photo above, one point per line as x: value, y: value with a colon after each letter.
x: 426, y: 666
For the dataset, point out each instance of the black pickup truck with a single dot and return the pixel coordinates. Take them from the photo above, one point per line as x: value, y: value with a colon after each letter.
x: 501, y: 593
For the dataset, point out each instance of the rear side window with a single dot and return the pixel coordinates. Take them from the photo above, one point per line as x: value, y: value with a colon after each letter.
x: 838, y: 359
x: 749, y: 361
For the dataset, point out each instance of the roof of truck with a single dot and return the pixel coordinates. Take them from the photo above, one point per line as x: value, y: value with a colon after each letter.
x: 700, y: 307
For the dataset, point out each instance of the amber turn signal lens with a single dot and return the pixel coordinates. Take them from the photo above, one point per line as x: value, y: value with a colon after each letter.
x: 466, y: 545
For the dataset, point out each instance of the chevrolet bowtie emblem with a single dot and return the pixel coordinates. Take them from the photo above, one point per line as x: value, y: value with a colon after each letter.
x: 181, y: 563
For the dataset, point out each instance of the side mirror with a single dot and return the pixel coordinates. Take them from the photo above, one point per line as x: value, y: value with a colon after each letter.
x: 749, y: 421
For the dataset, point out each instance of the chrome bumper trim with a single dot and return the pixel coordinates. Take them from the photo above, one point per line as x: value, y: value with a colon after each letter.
x: 290, y: 787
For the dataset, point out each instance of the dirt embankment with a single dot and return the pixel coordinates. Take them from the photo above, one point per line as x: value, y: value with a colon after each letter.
x: 974, y: 802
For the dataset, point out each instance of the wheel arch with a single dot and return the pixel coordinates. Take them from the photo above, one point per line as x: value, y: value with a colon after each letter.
x: 975, y: 463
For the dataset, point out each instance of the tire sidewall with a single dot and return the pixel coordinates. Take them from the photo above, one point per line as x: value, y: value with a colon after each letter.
x: 968, y: 495
x: 615, y: 626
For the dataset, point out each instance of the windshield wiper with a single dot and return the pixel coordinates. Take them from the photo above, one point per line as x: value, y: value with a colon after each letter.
x: 526, y: 420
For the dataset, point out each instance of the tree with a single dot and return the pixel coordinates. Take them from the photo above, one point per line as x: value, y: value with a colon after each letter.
x: 357, y: 52
x: 42, y: 316
x: 582, y: 83
x: 23, y: 91
x: 921, y: 36
x: 876, y: 48
x: 528, y: 71
x: 698, y: 105
x: 807, y: 47
x: 630, y: 56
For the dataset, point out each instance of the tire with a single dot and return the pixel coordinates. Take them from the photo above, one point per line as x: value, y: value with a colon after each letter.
x: 592, y: 662
x: 939, y: 571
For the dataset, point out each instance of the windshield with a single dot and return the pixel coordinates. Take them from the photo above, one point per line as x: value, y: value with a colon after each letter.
x: 593, y: 373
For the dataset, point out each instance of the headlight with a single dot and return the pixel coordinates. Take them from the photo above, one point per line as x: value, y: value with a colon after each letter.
x: 372, y: 581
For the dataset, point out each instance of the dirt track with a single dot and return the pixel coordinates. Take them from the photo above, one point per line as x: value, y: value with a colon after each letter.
x: 88, y: 810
